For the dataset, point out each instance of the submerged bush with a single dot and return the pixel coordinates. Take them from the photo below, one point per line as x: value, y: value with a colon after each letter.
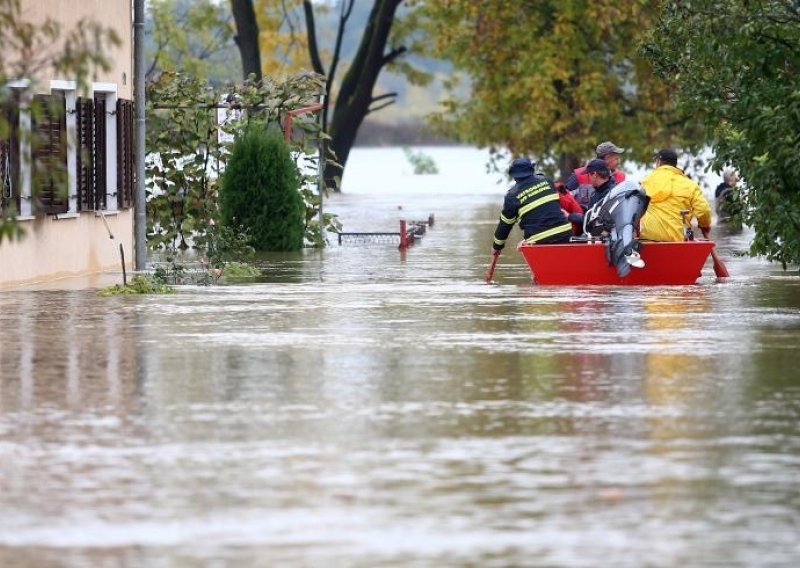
x: 422, y: 163
x: 240, y: 270
x: 260, y: 194
x: 139, y: 284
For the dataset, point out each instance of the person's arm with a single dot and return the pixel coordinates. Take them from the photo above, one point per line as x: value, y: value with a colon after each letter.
x: 572, y: 182
x: 508, y: 216
x: 701, y: 210
x: 569, y: 203
x: 576, y: 218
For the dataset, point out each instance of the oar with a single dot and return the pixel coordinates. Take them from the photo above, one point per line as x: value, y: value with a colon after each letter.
x: 719, y: 267
x: 490, y: 270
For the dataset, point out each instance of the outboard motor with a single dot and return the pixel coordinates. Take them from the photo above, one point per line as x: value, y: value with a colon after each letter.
x: 615, y: 217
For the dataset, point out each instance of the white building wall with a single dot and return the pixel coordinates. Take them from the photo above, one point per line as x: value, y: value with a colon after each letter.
x: 77, y: 244
x: 66, y: 245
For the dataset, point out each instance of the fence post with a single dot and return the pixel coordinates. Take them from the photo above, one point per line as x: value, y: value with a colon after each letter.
x: 403, y: 235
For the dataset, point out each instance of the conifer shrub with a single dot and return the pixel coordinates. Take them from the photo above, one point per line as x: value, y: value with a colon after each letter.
x: 259, y: 191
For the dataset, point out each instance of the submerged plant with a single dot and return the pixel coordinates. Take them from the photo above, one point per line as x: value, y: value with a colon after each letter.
x: 240, y: 270
x: 422, y: 163
x: 140, y: 284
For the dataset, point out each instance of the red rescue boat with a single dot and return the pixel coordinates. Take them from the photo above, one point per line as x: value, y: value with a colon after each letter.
x: 666, y: 264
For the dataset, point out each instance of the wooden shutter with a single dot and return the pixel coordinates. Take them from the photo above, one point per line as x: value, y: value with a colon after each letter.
x: 125, y: 148
x: 99, y: 152
x: 50, y: 153
x: 9, y: 156
x: 85, y: 177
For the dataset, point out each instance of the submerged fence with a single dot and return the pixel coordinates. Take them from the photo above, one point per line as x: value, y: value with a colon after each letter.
x: 405, y: 237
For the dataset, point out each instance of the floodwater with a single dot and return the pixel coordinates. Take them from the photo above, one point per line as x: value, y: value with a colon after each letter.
x: 362, y: 407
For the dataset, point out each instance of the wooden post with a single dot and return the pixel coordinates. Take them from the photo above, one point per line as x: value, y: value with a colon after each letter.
x: 403, y: 235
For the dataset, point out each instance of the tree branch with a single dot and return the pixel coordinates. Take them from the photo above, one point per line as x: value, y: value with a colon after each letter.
x: 347, y: 9
x: 379, y: 107
x: 391, y: 96
x: 311, y: 30
x: 392, y: 55
x: 383, y: 96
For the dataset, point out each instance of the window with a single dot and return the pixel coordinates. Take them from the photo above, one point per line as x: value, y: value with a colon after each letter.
x: 125, y: 154
x: 71, y: 154
x: 85, y: 153
x: 99, y: 148
x: 49, y: 153
x: 9, y: 154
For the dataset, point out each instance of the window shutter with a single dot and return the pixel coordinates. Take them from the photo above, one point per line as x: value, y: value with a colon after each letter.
x: 9, y: 156
x: 85, y: 120
x: 125, y: 148
x: 50, y: 154
x: 99, y: 153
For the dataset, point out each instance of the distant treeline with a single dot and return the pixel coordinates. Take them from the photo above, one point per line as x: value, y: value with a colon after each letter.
x: 373, y: 133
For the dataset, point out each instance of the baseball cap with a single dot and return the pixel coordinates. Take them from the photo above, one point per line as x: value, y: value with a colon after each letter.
x: 608, y: 147
x: 598, y: 165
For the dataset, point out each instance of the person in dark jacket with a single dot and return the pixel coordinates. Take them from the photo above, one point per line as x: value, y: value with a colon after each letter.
x: 599, y: 176
x: 533, y: 203
x: 729, y: 181
x: 728, y: 201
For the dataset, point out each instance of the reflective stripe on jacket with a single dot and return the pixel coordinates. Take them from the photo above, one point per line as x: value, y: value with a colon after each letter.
x: 533, y: 202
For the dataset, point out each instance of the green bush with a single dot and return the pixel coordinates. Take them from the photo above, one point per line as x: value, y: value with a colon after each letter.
x: 140, y: 284
x: 422, y: 163
x: 259, y: 192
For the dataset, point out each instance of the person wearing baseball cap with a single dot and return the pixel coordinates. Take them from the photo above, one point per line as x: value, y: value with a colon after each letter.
x: 673, y: 195
x: 607, y: 151
x: 599, y: 177
x: 533, y: 203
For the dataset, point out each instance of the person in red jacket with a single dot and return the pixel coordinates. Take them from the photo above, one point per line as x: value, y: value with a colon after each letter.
x: 578, y: 181
x: 571, y: 208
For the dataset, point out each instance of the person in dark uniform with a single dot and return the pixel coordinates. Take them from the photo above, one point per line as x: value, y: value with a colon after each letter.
x: 533, y: 203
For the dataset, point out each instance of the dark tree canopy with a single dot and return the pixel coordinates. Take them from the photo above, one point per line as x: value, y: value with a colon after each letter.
x: 735, y: 66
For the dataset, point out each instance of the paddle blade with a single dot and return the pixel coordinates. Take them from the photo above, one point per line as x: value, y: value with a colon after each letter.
x: 719, y: 267
x: 490, y: 270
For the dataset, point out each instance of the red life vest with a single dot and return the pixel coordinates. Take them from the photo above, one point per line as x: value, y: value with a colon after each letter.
x: 583, y: 177
x: 569, y: 205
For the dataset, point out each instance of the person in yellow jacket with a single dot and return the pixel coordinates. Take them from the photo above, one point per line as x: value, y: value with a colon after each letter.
x: 671, y: 191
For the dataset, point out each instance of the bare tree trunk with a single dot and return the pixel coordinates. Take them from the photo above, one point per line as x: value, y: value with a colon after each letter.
x: 355, y: 100
x: 247, y: 37
x: 566, y: 164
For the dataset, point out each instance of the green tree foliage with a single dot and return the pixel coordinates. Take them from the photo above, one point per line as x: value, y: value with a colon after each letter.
x: 736, y: 69
x: 187, y: 148
x: 281, y: 38
x: 194, y: 37
x: 184, y: 158
x: 553, y: 78
x: 27, y: 52
x: 352, y: 97
x: 259, y: 191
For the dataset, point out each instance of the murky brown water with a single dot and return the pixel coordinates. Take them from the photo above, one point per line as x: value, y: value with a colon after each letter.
x: 362, y: 409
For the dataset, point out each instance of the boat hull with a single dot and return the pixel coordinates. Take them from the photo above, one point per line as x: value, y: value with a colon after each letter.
x: 666, y: 264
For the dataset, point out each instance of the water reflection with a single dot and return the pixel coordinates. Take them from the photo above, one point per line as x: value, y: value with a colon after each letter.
x: 69, y: 351
x: 353, y: 396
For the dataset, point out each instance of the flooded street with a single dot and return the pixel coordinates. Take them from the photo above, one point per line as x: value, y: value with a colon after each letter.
x: 362, y: 407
